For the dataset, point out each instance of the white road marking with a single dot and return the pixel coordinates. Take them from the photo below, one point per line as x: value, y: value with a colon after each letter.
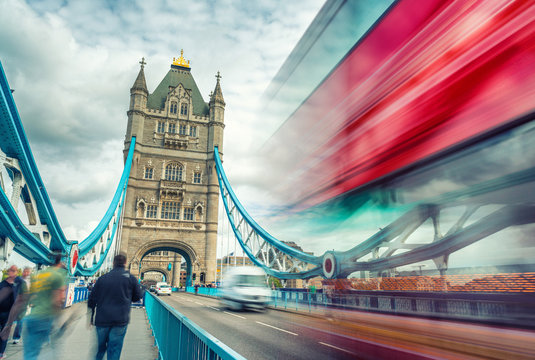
x: 198, y: 303
x: 241, y: 317
x: 211, y: 307
x: 337, y: 348
x: 276, y: 328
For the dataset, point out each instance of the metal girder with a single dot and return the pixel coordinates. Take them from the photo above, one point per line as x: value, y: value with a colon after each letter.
x: 275, y: 257
x: 95, y: 248
x: 437, y: 249
x: 39, y: 236
x: 393, y: 245
x: 33, y: 239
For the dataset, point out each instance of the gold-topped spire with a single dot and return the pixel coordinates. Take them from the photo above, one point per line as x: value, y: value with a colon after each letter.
x: 181, y: 61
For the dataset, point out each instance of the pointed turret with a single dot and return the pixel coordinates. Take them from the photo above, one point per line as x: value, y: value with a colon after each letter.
x: 140, y: 83
x: 139, y: 92
x: 217, y: 95
x: 217, y: 116
x: 138, y: 104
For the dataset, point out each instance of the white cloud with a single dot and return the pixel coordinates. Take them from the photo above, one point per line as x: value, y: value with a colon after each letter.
x: 72, y: 64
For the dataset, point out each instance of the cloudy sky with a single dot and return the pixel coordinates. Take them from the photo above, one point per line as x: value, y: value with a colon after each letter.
x: 72, y: 64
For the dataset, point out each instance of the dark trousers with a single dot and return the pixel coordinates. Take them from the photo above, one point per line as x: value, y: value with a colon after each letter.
x: 110, y: 338
x: 18, y: 330
x: 3, y: 321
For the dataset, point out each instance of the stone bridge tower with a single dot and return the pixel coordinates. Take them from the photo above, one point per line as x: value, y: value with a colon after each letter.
x: 173, y: 194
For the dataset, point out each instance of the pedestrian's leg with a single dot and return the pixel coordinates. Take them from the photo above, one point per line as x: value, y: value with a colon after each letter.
x: 103, y: 334
x: 18, y: 331
x: 35, y: 335
x: 115, y: 344
x: 3, y: 343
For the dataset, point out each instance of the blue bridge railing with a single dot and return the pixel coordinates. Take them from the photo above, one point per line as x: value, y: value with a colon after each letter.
x: 80, y: 294
x: 484, y: 307
x: 177, y: 337
x: 203, y: 291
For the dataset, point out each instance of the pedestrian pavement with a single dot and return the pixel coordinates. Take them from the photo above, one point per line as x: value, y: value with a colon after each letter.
x: 79, y: 340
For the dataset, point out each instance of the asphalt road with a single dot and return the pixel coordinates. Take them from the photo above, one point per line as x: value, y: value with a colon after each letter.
x: 281, y: 335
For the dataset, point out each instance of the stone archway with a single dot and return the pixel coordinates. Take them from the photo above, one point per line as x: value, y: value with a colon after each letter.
x: 185, y: 250
x: 145, y: 270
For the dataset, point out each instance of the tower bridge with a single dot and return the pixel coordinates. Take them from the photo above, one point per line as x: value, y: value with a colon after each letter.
x: 172, y: 199
x: 417, y: 155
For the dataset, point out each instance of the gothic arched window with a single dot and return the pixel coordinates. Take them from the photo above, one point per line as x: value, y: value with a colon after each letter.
x: 173, y: 172
x: 149, y: 172
x: 198, y: 213
x: 161, y: 126
x: 173, y: 107
x: 184, y: 109
x: 188, y: 213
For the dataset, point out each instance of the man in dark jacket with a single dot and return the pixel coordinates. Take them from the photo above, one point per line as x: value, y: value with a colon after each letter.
x: 9, y: 289
x: 112, y: 296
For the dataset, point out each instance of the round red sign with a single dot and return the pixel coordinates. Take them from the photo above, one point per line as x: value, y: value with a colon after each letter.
x: 74, y: 258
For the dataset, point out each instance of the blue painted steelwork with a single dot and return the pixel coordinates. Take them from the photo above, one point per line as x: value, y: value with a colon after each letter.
x: 340, y: 264
x: 204, y: 291
x: 21, y: 165
x: 120, y: 193
x: 88, y: 271
x: 15, y: 144
x: 177, y: 337
x: 26, y: 243
x: 115, y: 208
x: 273, y: 249
x: 80, y: 294
x: 479, y: 307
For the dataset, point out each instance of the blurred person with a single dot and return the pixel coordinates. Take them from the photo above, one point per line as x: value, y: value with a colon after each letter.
x: 46, y: 298
x: 90, y: 286
x: 112, y: 297
x: 18, y: 329
x: 312, y: 290
x: 10, y: 288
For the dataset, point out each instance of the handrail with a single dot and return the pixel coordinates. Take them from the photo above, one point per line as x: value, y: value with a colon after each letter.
x: 177, y: 337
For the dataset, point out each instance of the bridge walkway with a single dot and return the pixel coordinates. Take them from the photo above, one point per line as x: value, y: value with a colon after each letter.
x: 78, y: 341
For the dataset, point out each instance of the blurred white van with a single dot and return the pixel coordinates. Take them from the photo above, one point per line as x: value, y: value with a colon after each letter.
x: 245, y: 287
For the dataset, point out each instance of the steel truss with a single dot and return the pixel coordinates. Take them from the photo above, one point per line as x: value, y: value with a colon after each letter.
x: 30, y: 227
x: 392, y: 246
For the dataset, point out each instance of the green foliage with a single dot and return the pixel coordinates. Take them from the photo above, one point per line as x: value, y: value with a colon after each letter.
x: 4, y: 273
x: 274, y: 282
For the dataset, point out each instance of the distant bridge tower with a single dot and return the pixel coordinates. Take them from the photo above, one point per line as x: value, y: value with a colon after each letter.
x: 172, y: 198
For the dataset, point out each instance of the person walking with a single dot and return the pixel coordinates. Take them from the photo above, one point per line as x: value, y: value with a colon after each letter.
x: 10, y: 288
x: 46, y: 298
x: 18, y: 329
x: 112, y: 297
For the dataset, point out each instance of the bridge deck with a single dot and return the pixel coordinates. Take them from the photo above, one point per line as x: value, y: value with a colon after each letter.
x: 79, y: 341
